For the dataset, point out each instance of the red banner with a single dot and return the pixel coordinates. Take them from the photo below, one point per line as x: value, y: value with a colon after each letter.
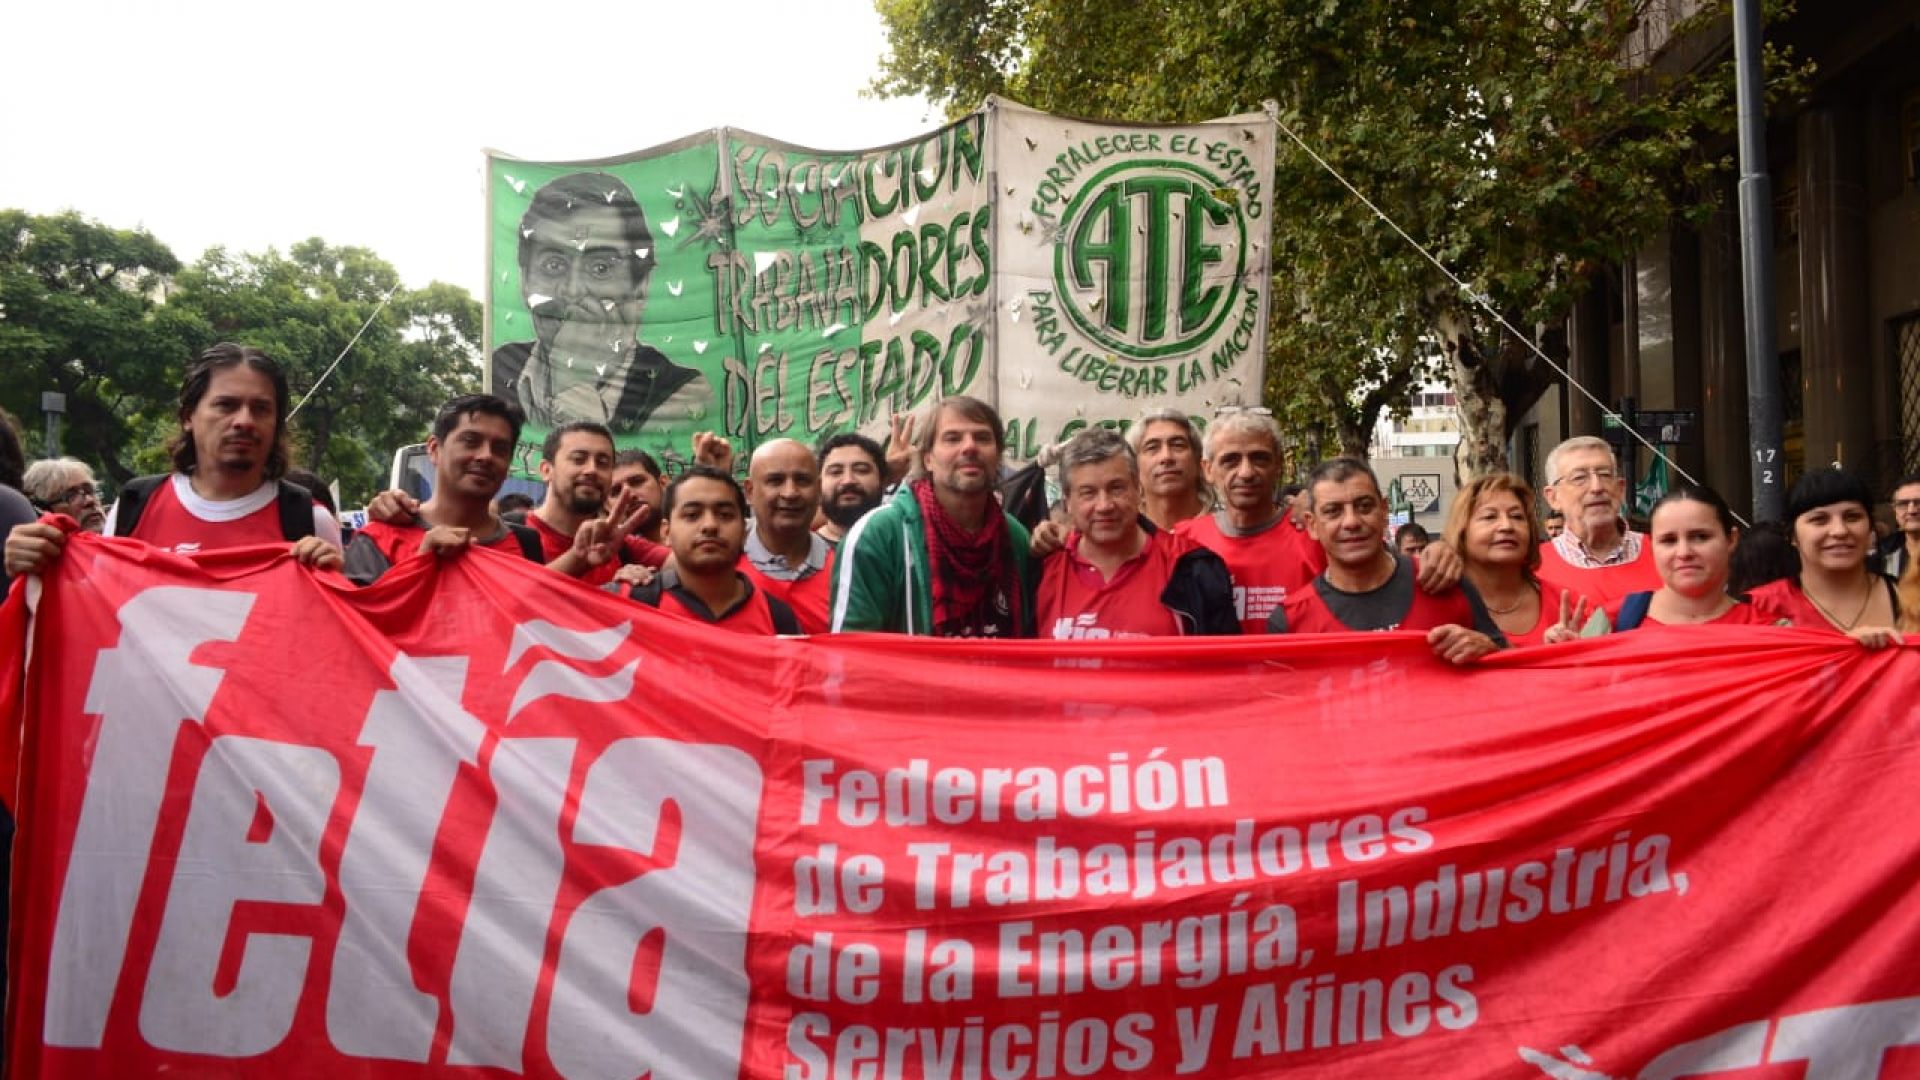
x: 476, y: 821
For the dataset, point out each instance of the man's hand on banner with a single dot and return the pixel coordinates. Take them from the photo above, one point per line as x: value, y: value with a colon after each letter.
x: 33, y: 547
x: 393, y: 507
x: 446, y: 540
x: 312, y: 551
x: 1457, y: 644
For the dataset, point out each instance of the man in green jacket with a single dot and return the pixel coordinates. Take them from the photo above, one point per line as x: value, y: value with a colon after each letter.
x: 941, y: 558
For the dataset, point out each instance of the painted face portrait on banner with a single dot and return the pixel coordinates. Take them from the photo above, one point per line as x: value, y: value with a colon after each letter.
x: 585, y: 256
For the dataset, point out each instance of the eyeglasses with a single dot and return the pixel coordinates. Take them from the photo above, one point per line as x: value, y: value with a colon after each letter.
x: 78, y: 493
x: 1906, y: 504
x: 1586, y: 478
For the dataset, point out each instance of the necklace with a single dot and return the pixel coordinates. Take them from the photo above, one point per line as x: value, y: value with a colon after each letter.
x: 1509, y: 609
x: 1835, y: 619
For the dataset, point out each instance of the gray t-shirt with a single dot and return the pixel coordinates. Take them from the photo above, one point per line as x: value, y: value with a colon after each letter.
x: 14, y: 510
x: 1386, y: 607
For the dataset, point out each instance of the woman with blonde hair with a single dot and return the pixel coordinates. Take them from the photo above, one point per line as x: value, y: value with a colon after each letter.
x: 1493, y: 526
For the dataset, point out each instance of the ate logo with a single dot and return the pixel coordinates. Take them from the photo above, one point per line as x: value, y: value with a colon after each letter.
x: 1150, y: 257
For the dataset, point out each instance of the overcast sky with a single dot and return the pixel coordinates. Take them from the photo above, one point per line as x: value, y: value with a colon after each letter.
x: 262, y: 123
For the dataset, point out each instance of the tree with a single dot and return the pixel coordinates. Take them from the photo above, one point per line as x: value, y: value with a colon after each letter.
x: 304, y: 309
x: 1523, y: 143
x: 80, y: 314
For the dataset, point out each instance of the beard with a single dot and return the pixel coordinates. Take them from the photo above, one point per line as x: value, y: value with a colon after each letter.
x: 586, y: 505
x: 844, y: 514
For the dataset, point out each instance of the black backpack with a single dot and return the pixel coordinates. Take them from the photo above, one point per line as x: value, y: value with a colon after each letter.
x: 296, y: 506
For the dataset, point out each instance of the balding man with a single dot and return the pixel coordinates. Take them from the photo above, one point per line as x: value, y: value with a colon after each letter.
x: 1267, y: 554
x: 784, y: 557
x: 1596, y: 555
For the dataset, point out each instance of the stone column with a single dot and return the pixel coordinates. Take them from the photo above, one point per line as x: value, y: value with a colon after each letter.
x: 1723, y: 358
x: 1835, y: 353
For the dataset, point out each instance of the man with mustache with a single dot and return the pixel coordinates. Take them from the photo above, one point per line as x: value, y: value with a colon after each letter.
x: 585, y: 256
x: 230, y: 451
x: 783, y: 556
x: 1595, y: 555
x: 942, y: 558
x: 581, y: 534
x: 65, y: 486
x: 470, y: 447
x: 1367, y: 586
x: 1269, y: 555
x: 853, y: 472
x: 1171, y: 483
x: 1266, y: 553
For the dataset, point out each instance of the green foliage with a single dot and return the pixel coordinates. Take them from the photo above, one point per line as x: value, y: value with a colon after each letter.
x: 304, y: 308
x: 109, y: 318
x: 80, y: 314
x: 1515, y: 140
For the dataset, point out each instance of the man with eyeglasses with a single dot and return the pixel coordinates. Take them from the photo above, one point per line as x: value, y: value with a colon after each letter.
x: 65, y: 486
x: 1596, y: 555
x: 1902, y: 549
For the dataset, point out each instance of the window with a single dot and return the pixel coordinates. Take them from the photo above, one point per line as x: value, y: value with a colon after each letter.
x: 1906, y: 350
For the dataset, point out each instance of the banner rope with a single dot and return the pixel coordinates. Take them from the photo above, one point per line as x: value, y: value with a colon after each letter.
x: 317, y: 383
x: 1480, y: 300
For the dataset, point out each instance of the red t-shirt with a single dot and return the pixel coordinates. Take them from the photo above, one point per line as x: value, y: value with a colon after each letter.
x: 1307, y: 613
x: 1755, y: 613
x: 640, y: 551
x: 166, y: 524
x: 810, y: 597
x: 1606, y: 585
x: 1077, y: 601
x: 399, y: 542
x: 1267, y: 567
x: 554, y: 543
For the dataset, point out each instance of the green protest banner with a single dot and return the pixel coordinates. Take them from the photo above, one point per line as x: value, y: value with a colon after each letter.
x: 729, y: 282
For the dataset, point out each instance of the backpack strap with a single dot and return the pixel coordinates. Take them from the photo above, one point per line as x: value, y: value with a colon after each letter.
x: 296, y: 511
x: 133, y: 500
x: 529, y: 539
x: 784, y: 620
x: 1633, y: 610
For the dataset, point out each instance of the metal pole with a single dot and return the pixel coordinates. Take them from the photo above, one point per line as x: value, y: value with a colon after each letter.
x: 1764, y: 420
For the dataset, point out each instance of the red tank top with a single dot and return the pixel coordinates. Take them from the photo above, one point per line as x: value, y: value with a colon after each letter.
x: 1606, y: 585
x: 167, y: 523
x: 1266, y: 567
x: 1075, y: 601
x: 1307, y: 613
x: 1784, y: 599
x: 809, y: 597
